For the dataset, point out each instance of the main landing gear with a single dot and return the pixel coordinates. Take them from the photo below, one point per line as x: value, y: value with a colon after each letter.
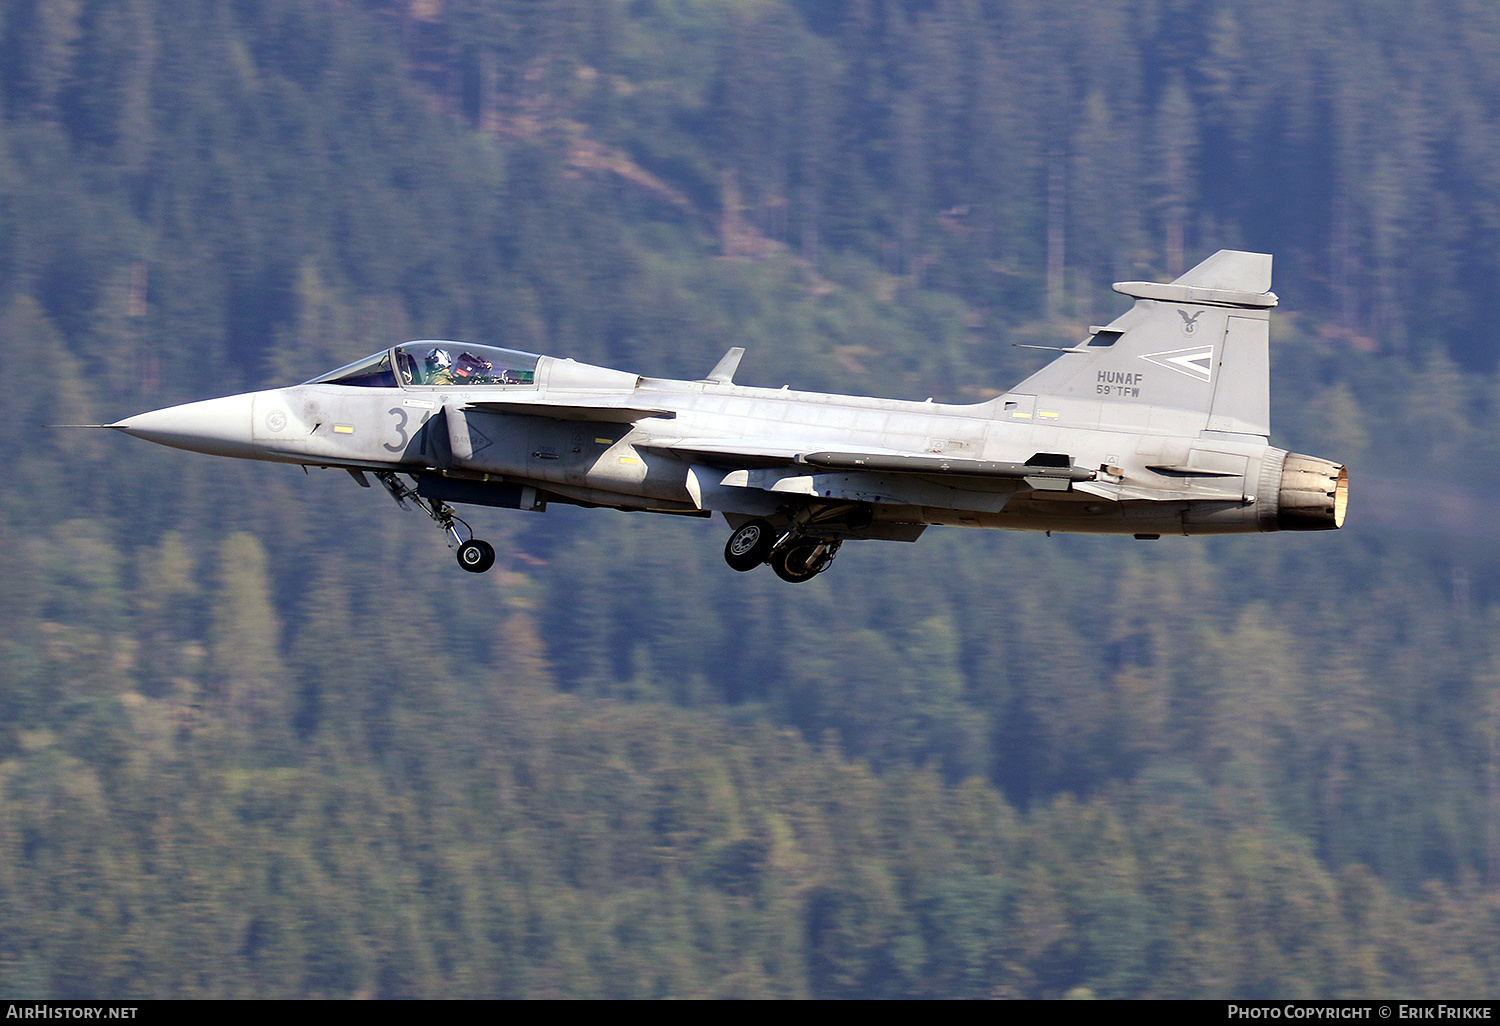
x: 794, y: 556
x: 474, y: 555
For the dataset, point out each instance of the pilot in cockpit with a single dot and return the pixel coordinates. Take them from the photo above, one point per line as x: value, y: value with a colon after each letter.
x: 440, y: 367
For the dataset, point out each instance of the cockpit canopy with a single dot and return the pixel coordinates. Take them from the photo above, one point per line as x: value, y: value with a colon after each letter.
x: 435, y: 362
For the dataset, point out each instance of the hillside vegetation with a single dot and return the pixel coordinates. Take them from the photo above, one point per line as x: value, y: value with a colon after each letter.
x: 260, y: 737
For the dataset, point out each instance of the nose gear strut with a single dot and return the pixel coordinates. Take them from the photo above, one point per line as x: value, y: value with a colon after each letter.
x: 474, y: 555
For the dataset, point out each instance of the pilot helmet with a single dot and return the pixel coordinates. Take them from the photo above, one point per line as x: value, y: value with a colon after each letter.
x: 438, y: 360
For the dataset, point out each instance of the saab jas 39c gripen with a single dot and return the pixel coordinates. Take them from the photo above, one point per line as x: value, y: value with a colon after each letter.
x: 1155, y: 424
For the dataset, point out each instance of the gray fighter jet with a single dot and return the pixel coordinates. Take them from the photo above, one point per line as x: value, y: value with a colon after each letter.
x: 1155, y: 424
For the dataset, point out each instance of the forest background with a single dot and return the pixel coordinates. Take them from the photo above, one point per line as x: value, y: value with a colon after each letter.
x: 259, y: 736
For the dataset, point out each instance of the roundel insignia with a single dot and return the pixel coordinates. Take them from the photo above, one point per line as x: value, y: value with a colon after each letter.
x: 275, y: 420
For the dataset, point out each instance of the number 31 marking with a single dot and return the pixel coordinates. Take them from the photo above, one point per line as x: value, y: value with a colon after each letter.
x: 401, y: 434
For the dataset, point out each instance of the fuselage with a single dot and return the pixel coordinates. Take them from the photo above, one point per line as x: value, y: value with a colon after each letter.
x: 738, y: 449
x: 1158, y: 423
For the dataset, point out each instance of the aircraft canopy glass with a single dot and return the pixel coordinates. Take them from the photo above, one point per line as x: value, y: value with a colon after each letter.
x: 464, y: 364
x: 436, y: 362
x: 371, y: 372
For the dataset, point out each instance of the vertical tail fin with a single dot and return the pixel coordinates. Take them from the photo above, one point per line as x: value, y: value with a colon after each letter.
x: 1194, y: 353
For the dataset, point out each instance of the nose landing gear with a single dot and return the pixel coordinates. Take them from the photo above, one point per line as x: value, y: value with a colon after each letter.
x: 474, y: 555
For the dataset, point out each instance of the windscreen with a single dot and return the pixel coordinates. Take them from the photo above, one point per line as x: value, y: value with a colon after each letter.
x: 371, y: 372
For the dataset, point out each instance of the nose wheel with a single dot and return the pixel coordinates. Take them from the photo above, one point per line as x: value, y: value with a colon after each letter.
x: 474, y: 555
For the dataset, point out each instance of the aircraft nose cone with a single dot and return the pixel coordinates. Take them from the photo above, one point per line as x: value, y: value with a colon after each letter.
x: 220, y: 427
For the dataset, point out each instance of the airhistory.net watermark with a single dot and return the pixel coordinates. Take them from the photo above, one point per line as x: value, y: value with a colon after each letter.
x: 51, y: 1011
